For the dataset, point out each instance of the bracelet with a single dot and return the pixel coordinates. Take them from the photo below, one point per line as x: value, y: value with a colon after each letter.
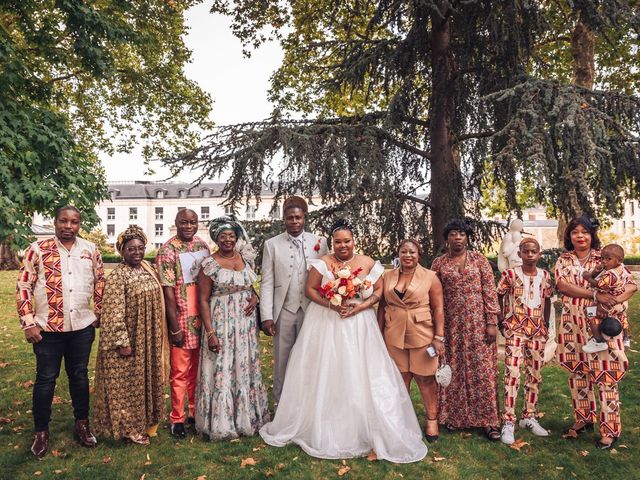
x: 595, y: 293
x: 438, y: 337
x: 175, y: 333
x: 210, y: 334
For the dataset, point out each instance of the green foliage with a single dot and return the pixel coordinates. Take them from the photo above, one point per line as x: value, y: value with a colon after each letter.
x: 99, y: 239
x: 81, y: 77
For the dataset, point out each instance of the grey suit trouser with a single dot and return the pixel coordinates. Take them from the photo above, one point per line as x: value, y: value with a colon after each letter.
x: 287, y: 329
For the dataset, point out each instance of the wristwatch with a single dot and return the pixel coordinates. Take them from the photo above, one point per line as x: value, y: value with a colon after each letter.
x: 438, y: 337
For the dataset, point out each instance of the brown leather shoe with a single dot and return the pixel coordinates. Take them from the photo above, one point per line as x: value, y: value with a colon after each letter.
x: 83, y: 435
x: 40, y: 444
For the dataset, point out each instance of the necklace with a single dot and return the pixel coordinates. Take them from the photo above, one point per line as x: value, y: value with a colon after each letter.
x: 585, y: 260
x: 233, y: 255
x: 344, y: 262
x: 408, y: 272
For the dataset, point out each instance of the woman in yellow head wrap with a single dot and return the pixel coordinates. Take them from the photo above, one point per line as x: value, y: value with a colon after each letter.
x: 129, y: 394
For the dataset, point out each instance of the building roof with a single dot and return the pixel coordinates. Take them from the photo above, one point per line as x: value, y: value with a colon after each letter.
x: 41, y: 230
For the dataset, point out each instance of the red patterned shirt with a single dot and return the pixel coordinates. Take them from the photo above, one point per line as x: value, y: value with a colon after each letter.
x: 56, y: 285
x: 186, y: 294
x: 524, y: 300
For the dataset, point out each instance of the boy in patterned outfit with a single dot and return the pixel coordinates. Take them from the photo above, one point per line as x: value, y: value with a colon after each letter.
x: 524, y: 294
x: 182, y: 317
x: 612, y: 277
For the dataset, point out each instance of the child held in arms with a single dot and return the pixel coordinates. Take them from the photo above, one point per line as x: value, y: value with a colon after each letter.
x: 610, y: 276
x: 524, y: 294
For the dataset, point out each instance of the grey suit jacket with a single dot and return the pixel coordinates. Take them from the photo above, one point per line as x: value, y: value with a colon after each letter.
x: 277, y: 256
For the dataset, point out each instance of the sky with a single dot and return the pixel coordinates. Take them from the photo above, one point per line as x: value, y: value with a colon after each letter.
x: 238, y: 85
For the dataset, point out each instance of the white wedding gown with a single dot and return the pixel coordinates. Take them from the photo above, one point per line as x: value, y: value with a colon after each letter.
x: 343, y: 395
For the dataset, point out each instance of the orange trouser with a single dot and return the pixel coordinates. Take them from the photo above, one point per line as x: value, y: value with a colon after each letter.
x: 184, y: 371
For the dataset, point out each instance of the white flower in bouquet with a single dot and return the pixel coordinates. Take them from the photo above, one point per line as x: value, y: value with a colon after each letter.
x: 342, y: 290
x: 344, y: 273
x: 336, y: 300
x: 356, y: 282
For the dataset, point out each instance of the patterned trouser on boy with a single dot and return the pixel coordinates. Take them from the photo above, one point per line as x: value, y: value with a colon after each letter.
x: 519, y: 348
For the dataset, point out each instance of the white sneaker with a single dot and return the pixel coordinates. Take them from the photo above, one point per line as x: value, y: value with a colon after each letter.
x: 533, y: 425
x: 594, y: 346
x: 506, y: 435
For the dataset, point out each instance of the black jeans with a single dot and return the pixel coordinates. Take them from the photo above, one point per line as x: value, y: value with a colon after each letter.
x: 75, y: 348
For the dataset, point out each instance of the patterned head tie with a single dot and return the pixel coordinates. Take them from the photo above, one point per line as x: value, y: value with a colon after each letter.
x: 130, y: 233
x: 532, y: 240
x: 227, y: 222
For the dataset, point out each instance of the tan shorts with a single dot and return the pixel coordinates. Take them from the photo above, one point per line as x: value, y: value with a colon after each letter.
x: 413, y: 360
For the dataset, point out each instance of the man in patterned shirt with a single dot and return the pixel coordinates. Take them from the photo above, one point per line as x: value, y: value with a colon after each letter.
x: 58, y: 279
x: 182, y: 316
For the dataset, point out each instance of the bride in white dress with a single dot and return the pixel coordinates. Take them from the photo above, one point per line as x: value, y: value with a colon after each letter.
x: 343, y: 396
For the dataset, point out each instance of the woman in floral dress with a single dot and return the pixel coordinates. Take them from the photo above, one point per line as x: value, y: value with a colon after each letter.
x: 604, y: 368
x: 470, y: 328
x: 230, y: 397
x: 130, y: 366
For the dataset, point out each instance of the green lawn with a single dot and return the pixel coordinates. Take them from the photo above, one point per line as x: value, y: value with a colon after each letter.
x: 459, y: 455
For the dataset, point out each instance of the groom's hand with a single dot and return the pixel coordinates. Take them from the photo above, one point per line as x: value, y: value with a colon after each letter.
x: 269, y: 328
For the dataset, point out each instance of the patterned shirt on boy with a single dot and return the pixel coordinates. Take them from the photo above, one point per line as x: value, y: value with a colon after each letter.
x: 170, y: 271
x: 55, y: 285
x: 524, y: 300
x: 615, y: 281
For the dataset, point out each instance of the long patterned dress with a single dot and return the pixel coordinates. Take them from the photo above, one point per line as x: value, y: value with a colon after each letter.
x: 230, y: 397
x: 470, y: 304
x: 129, y: 392
x: 604, y: 368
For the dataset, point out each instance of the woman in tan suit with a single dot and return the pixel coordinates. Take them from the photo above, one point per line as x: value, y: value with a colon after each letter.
x: 411, y: 318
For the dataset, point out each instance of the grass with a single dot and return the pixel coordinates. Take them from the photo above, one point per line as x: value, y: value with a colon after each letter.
x: 456, y: 455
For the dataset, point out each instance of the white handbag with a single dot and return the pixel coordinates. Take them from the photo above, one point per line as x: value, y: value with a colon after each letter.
x: 443, y: 375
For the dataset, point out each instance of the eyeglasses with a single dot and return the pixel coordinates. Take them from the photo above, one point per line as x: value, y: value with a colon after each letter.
x: 135, y: 249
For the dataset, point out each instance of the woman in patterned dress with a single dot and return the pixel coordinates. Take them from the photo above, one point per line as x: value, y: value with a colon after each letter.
x: 130, y: 367
x: 604, y: 368
x: 230, y: 397
x: 471, y: 317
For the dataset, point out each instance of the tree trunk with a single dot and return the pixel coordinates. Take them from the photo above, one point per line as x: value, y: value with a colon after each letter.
x: 446, y: 179
x: 8, y: 258
x: 583, y: 46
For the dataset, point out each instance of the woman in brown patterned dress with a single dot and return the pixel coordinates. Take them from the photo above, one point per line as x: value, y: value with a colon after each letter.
x: 604, y: 368
x: 470, y: 328
x: 129, y: 393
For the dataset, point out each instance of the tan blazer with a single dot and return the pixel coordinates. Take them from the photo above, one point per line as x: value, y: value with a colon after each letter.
x: 408, y: 322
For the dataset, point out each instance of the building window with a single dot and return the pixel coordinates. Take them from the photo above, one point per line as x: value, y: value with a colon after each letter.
x: 204, y: 213
x: 633, y: 224
x: 633, y: 207
x: 206, y: 193
x: 157, y: 246
x: 159, y: 230
x: 182, y: 194
x: 133, y: 213
x: 251, y: 212
x: 228, y: 210
x: 111, y: 213
x: 532, y: 217
x: 624, y: 225
x: 181, y: 208
x: 277, y: 214
x: 111, y: 230
x: 159, y: 213
x: 160, y: 194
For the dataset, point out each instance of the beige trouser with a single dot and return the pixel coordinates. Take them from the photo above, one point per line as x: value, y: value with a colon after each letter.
x: 287, y: 329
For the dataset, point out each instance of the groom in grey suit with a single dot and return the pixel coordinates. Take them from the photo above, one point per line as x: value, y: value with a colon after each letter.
x: 282, y: 290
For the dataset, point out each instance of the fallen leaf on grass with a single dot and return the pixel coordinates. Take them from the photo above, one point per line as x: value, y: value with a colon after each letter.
x: 148, y: 462
x: 235, y: 440
x: 540, y: 414
x: 4, y: 364
x: 6, y: 420
x: 465, y: 434
x: 622, y: 446
x: 28, y: 384
x: 372, y: 457
x: 37, y: 473
x: 57, y: 400
x: 614, y: 451
x: 247, y: 461
x: 518, y: 444
x: 259, y: 447
x: 106, y: 459
x: 343, y: 470
x: 438, y: 459
x: 18, y: 429
x: 280, y: 466
x: 559, y: 468
x: 584, y: 453
x: 58, y: 471
x: 58, y: 453
x: 202, y: 477
x: 18, y: 402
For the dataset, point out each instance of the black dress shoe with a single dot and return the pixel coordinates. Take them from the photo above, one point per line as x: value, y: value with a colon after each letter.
x: 82, y: 434
x: 40, y: 444
x: 191, y: 421
x: 178, y: 431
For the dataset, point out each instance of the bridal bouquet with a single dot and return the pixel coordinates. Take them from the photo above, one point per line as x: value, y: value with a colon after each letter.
x: 346, y: 286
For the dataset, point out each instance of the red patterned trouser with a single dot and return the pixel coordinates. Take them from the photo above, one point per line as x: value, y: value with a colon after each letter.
x: 584, y: 404
x: 521, y: 349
